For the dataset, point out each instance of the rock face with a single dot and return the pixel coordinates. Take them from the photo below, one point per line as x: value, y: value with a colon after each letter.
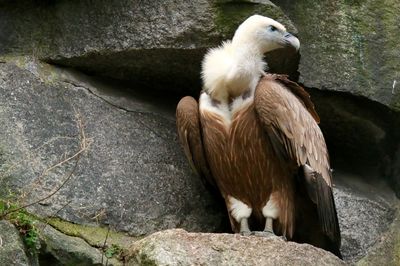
x: 365, y: 211
x: 154, y: 44
x: 177, y: 247
x: 133, y: 176
x: 387, y: 250
x: 12, y: 250
x: 349, y: 46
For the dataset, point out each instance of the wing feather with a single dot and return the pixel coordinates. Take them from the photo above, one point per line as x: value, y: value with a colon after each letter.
x: 289, y: 119
x: 189, y: 132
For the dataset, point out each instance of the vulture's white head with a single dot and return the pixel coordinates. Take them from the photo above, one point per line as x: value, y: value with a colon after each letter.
x: 231, y: 69
x: 265, y: 34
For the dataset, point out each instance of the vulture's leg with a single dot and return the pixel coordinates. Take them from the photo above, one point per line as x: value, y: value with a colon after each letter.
x: 244, y: 227
x: 268, y: 225
x: 268, y: 230
x: 240, y: 212
x: 270, y: 212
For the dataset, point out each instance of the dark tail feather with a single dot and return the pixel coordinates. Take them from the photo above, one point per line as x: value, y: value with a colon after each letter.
x: 316, y: 217
x: 327, y: 211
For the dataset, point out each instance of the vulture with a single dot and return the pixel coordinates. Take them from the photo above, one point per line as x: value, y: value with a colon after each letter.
x: 255, y: 138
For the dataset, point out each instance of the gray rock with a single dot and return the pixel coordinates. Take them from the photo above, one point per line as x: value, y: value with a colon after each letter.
x: 156, y: 44
x: 60, y: 249
x: 349, y: 46
x: 178, y: 247
x: 134, y: 175
x: 12, y: 250
x: 366, y: 212
x: 387, y: 250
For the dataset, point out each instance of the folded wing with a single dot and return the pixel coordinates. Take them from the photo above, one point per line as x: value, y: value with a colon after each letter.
x: 291, y: 123
x: 189, y: 132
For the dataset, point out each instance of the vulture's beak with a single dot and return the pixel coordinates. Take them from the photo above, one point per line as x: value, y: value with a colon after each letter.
x: 291, y: 41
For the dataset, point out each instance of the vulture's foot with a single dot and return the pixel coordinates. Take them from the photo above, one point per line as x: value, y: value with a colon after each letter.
x: 246, y: 233
x: 268, y: 234
x: 244, y: 227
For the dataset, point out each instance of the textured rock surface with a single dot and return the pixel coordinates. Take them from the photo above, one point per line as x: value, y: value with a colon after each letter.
x: 387, y: 250
x: 152, y: 42
x: 366, y: 210
x: 349, y: 46
x: 177, y: 247
x: 12, y: 250
x: 133, y: 177
x: 60, y: 249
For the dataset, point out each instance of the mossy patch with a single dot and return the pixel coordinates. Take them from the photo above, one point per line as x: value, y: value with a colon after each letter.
x: 47, y: 73
x: 93, y: 235
x: 230, y: 14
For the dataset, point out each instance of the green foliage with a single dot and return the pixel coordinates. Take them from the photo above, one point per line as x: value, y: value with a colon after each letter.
x: 112, y: 251
x: 27, y: 229
x: 23, y: 221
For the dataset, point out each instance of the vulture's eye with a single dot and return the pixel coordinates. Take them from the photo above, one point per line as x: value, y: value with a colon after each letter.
x: 272, y: 28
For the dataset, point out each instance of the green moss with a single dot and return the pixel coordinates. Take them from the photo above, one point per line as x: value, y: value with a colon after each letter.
x: 230, y: 14
x: 146, y: 261
x: 350, y: 45
x: 23, y: 221
x: 396, y: 253
x: 95, y: 236
x: 113, y: 250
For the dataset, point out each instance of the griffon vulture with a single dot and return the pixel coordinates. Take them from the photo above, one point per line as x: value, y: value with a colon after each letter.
x: 255, y: 137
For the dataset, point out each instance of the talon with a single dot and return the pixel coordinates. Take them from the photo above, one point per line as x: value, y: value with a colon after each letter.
x: 266, y: 234
x: 269, y: 231
x: 246, y: 233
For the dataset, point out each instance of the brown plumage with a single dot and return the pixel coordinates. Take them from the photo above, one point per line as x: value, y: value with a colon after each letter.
x: 261, y: 152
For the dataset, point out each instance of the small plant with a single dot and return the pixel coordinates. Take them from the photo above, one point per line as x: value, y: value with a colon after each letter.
x: 109, y: 252
x: 23, y: 221
x: 27, y: 229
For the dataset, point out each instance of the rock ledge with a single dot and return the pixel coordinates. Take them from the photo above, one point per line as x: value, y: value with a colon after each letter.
x: 178, y: 247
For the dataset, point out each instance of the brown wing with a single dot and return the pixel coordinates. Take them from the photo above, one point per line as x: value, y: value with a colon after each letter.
x: 189, y: 132
x: 291, y: 124
x: 297, y: 90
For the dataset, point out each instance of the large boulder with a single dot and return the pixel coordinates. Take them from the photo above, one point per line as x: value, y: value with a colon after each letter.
x: 366, y: 211
x: 133, y: 175
x: 156, y: 44
x: 387, y: 250
x: 60, y: 249
x: 178, y: 247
